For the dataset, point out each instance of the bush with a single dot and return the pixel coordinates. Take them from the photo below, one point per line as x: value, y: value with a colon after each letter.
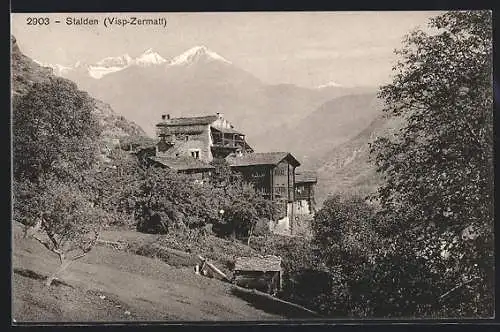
x: 164, y: 200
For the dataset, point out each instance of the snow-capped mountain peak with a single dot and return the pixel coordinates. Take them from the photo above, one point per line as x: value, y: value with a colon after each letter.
x: 330, y: 84
x: 118, y: 61
x: 196, y: 54
x: 149, y: 58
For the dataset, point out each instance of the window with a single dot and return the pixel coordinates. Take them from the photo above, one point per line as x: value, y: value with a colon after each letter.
x: 258, y: 175
x: 280, y: 190
x: 280, y: 171
x: 195, y: 154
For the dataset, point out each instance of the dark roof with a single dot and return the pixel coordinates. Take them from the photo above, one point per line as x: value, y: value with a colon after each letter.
x: 182, y: 163
x: 261, y: 158
x: 265, y: 263
x: 188, y: 121
x: 227, y: 130
x: 303, y: 176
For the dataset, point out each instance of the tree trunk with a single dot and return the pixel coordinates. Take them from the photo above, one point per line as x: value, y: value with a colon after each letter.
x: 62, y: 267
x: 250, y: 234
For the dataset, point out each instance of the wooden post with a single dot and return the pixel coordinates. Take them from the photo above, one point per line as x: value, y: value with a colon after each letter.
x: 213, y: 268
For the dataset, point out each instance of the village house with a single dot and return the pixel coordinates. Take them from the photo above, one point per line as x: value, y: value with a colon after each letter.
x: 304, y: 190
x: 274, y: 175
x: 188, y: 144
x: 201, y: 137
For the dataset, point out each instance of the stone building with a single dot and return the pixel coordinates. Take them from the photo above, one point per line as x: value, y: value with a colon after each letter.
x: 202, y: 137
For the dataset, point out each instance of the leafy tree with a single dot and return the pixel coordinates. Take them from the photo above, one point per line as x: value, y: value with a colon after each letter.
x: 55, y: 149
x: 346, y: 242
x: 244, y: 209
x: 438, y: 168
x: 54, y: 131
x: 223, y: 176
x: 67, y: 223
x: 114, y: 183
x: 165, y: 199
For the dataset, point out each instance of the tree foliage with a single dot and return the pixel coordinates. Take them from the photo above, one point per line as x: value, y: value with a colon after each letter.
x: 346, y: 243
x: 54, y: 130
x: 113, y: 185
x: 55, y: 149
x: 166, y: 200
x: 438, y: 168
x: 424, y: 247
x: 66, y: 222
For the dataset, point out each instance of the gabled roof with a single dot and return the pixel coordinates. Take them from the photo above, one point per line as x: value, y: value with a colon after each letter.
x: 266, y: 263
x: 261, y: 158
x: 303, y: 176
x: 188, y: 121
x: 182, y: 163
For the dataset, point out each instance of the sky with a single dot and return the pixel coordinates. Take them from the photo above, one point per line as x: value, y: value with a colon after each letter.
x: 303, y: 48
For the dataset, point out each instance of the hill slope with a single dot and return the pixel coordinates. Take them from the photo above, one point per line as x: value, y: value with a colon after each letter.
x: 25, y: 72
x: 347, y: 167
x: 148, y: 289
x: 330, y: 125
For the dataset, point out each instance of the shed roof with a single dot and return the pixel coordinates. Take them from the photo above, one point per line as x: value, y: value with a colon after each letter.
x: 261, y: 158
x: 227, y: 130
x: 188, y: 121
x: 304, y: 176
x: 182, y: 163
x: 264, y: 263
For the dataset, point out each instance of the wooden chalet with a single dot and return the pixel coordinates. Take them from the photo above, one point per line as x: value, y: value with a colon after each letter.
x: 304, y: 187
x: 271, y: 173
x: 261, y: 273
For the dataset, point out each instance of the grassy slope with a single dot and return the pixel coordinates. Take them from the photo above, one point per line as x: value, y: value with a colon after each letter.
x: 26, y: 72
x: 148, y: 288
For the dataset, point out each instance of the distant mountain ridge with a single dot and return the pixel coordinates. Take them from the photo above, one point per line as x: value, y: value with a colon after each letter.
x: 198, y: 82
x: 331, y: 124
x: 113, y: 64
x: 107, y: 65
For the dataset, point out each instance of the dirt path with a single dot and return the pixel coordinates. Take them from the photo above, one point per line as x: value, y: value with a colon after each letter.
x: 150, y: 288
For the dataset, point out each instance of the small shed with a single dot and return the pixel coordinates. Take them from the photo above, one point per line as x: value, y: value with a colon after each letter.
x: 263, y: 273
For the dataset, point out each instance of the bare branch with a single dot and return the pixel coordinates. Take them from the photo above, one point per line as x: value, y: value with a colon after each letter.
x: 45, y: 244
x: 457, y: 287
x: 79, y: 256
x: 50, y: 234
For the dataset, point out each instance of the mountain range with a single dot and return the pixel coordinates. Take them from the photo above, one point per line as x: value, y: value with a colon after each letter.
x: 198, y: 81
x: 106, y: 66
